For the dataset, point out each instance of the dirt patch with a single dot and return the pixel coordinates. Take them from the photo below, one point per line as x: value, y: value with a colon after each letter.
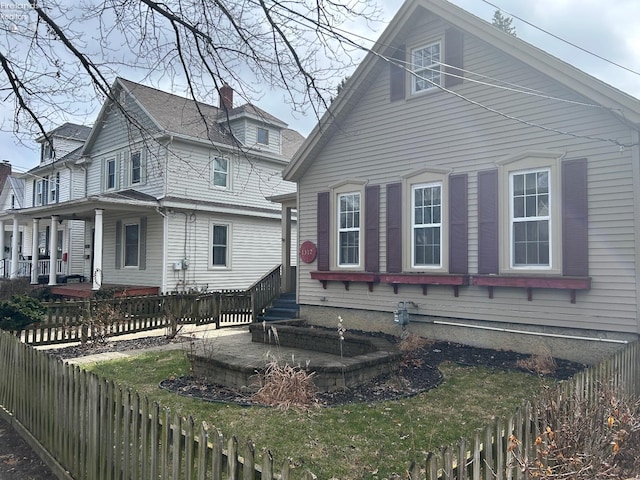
x: 17, y: 460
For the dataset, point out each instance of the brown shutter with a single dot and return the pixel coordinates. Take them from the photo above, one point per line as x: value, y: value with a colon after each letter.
x: 488, y: 243
x: 458, y: 231
x: 453, y: 57
x: 575, y: 245
x: 323, y: 231
x: 372, y: 228
x: 397, y: 73
x: 394, y: 228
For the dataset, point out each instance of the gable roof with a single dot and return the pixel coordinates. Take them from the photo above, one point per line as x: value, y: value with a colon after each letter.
x: 180, y: 116
x: 71, y: 131
x: 72, y: 156
x: 621, y: 104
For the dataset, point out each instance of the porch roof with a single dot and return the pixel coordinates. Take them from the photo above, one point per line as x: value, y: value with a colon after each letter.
x: 84, y: 208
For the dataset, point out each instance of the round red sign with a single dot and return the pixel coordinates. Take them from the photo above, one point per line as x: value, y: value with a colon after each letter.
x: 308, y: 251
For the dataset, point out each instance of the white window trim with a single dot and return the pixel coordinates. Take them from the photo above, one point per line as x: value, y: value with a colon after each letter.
x: 228, y: 173
x: 130, y: 167
x: 345, y: 187
x: 126, y: 224
x: 105, y: 179
x: 530, y: 161
x: 213, y: 224
x: 424, y: 177
x: 413, y: 76
x: 414, y: 187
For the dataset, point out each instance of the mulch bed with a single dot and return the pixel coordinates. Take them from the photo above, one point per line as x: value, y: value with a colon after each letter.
x: 417, y: 373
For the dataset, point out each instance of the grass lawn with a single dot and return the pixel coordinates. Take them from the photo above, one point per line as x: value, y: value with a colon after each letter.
x: 356, y: 441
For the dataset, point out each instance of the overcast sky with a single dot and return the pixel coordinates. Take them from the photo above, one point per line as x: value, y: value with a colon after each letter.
x: 611, y: 31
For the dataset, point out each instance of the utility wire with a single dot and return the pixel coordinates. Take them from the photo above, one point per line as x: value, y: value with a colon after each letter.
x: 562, y: 39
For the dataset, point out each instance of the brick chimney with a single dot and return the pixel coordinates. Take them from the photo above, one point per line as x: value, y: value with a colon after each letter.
x: 5, y: 171
x: 226, y: 97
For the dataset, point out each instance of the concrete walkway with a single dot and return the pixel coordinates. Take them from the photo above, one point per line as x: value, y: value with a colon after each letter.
x: 200, y: 334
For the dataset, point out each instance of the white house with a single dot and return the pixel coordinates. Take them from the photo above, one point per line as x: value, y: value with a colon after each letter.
x: 171, y: 194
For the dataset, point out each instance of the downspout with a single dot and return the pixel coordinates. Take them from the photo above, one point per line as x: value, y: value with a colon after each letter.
x: 635, y: 162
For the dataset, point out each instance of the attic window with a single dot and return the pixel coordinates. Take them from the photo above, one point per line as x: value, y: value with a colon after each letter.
x: 425, y: 62
x: 47, y: 153
x: 263, y: 136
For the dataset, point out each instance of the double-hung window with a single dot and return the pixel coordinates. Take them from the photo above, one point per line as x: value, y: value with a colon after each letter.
x: 263, y: 136
x: 425, y: 65
x: 530, y: 218
x: 110, y: 174
x: 40, y: 192
x: 349, y: 229
x: 136, y: 168
x: 53, y: 188
x: 131, y: 244
x: 220, y: 245
x: 220, y: 172
x: 530, y: 224
x: 426, y: 225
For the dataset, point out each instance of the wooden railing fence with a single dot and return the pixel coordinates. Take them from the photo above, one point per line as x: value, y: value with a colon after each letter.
x: 98, y: 430
x: 264, y: 291
x: 491, y: 454
x: 84, y: 320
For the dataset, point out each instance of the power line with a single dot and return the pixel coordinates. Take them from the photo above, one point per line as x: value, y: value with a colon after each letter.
x: 562, y: 39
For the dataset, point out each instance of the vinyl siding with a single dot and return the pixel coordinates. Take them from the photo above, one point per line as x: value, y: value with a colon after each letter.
x: 152, y: 275
x: 251, y: 138
x: 189, y: 176
x: 390, y: 139
x: 255, y: 248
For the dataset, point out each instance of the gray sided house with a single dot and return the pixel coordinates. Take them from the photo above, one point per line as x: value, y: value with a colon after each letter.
x: 488, y: 187
x: 171, y: 194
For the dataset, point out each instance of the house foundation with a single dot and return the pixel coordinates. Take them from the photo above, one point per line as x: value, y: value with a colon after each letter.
x: 576, y: 345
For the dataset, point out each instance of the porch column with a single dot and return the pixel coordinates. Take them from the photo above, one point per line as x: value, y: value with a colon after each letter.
x: 53, y: 250
x: 97, y: 251
x: 14, y: 249
x: 35, y: 231
x: 285, y: 281
x: 1, y: 238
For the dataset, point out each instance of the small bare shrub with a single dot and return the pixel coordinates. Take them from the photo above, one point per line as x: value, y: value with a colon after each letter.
x: 285, y: 386
x: 101, y: 320
x: 542, y: 363
x: 410, y: 347
x: 413, y: 342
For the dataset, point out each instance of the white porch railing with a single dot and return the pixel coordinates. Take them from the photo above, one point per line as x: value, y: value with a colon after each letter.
x: 24, y: 268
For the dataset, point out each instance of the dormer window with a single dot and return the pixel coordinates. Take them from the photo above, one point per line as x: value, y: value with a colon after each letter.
x: 263, y: 136
x: 47, y: 152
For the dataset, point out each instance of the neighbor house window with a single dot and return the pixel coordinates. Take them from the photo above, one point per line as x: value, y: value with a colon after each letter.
x: 53, y: 188
x: 136, y: 168
x: 131, y: 244
x: 349, y: 229
x: 110, y: 174
x: 425, y: 64
x: 220, y: 245
x: 530, y: 218
x: 47, y: 151
x: 263, y: 136
x: 41, y: 191
x: 426, y: 225
x: 221, y: 172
